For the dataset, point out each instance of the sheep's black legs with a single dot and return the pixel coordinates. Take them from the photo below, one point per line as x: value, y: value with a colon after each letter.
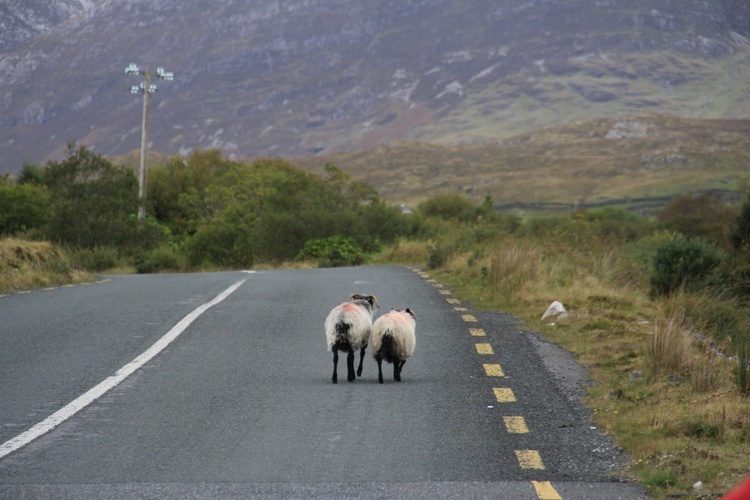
x: 361, y: 358
x: 397, y: 366
x: 334, y: 379
x: 350, y: 366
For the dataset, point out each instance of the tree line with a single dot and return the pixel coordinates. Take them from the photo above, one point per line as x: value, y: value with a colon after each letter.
x: 203, y: 211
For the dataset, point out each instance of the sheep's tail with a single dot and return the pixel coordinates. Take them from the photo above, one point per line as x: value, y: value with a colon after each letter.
x: 387, y: 349
x: 342, y: 333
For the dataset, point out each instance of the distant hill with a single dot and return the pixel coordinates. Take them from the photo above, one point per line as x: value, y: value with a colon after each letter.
x: 288, y: 78
x: 637, y: 162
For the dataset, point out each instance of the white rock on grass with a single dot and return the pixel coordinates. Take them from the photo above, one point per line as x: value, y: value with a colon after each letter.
x: 555, y: 311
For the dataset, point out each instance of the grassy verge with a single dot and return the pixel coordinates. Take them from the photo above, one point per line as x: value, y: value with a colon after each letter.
x: 662, y: 386
x: 25, y: 265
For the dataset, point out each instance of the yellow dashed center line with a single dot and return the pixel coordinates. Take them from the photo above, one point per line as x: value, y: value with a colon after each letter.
x: 504, y: 395
x: 516, y: 425
x: 529, y: 459
x: 484, y: 349
x: 493, y: 370
x: 545, y: 491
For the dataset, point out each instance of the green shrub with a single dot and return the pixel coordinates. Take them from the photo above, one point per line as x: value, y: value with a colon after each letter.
x: 23, y: 207
x: 699, y: 215
x: 438, y: 254
x: 449, y: 206
x: 92, y: 202
x: 96, y: 259
x: 334, y: 251
x: 220, y: 243
x: 660, y: 478
x: 682, y: 263
x: 163, y: 258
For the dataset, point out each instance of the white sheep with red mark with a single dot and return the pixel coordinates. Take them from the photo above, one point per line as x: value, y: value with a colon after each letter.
x: 393, y: 339
x: 347, y: 329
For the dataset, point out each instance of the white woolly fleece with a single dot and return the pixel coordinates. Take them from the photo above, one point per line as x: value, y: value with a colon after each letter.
x: 356, y: 315
x: 401, y: 326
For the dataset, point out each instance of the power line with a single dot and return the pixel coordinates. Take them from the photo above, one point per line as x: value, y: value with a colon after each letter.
x: 164, y: 124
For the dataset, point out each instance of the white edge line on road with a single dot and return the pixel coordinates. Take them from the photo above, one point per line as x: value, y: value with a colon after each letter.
x: 99, y: 390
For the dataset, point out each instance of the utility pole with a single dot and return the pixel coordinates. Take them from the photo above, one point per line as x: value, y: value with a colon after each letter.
x: 147, y: 89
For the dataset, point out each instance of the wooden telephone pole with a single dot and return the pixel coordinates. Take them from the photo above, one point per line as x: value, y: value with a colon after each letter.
x: 147, y: 89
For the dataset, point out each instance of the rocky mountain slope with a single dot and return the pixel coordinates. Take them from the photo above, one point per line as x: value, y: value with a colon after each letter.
x: 21, y: 21
x: 302, y: 77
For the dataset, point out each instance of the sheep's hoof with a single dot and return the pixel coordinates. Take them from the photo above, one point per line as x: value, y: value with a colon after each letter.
x: 334, y: 380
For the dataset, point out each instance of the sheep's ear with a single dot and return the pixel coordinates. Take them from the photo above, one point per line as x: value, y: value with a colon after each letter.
x: 357, y: 296
x: 372, y: 299
x: 411, y: 312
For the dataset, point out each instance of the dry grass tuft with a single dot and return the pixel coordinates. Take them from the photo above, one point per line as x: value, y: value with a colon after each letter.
x: 670, y: 349
x: 32, y: 264
x: 404, y: 252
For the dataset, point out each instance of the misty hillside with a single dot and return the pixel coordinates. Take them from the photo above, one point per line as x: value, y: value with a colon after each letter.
x: 297, y: 78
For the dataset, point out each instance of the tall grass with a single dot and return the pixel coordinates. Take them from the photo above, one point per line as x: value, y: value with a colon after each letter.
x: 404, y: 252
x: 670, y: 348
x: 513, y: 265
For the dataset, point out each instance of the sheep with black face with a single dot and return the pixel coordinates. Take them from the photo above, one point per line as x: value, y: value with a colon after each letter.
x: 347, y: 329
x: 393, y: 339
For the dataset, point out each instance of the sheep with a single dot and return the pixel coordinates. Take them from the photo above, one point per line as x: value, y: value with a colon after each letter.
x: 347, y: 329
x: 393, y: 340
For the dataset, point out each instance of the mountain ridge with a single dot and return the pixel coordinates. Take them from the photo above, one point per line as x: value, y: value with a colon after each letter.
x: 289, y: 78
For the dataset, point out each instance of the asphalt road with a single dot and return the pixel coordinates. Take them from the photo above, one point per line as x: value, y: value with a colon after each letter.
x: 238, y: 401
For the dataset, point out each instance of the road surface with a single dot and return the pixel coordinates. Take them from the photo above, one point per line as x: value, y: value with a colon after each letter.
x: 218, y: 385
